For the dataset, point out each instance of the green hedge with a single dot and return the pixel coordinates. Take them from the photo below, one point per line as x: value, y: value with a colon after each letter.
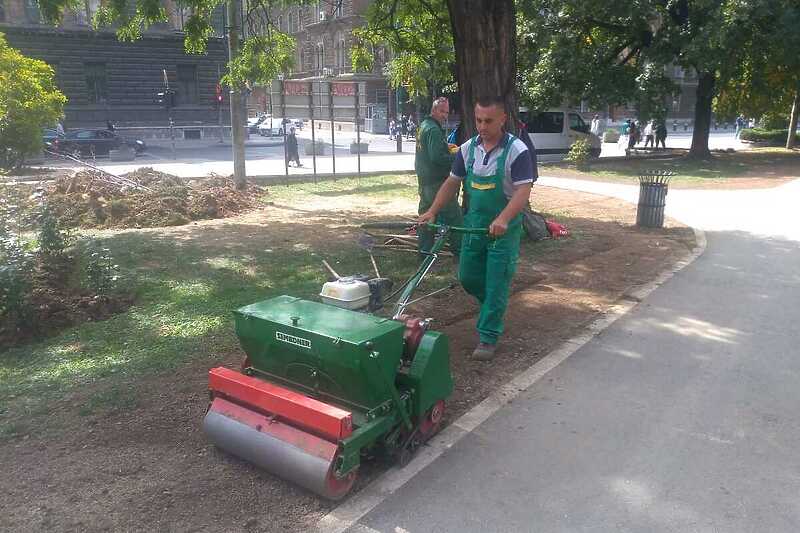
x: 776, y: 137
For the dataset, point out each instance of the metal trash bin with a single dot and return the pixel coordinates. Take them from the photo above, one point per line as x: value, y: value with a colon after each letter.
x: 653, y: 186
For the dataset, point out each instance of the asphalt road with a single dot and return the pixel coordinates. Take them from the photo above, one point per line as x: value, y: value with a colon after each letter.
x: 682, y: 416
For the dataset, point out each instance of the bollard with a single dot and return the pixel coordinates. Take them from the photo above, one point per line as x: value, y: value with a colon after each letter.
x: 399, y: 143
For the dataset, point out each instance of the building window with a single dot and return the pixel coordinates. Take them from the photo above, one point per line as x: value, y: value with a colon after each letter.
x: 96, y: 92
x: 293, y: 20
x: 280, y: 23
x: 182, y: 15
x: 337, y: 9
x: 86, y: 11
x: 341, y: 52
x: 319, y: 63
x: 187, y: 84
x: 32, y: 12
x: 319, y: 15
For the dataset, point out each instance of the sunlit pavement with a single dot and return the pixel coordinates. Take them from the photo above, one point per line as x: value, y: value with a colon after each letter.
x: 265, y: 155
x: 681, y: 416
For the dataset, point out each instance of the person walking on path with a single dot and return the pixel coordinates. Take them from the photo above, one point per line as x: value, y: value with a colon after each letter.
x: 291, y: 148
x: 740, y: 123
x: 498, y: 170
x: 432, y: 164
x: 412, y: 128
x: 661, y: 134
x: 632, y: 134
x: 595, y: 128
x: 649, y: 134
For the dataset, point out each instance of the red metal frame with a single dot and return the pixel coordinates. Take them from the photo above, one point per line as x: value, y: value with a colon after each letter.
x: 311, y: 444
x: 310, y: 414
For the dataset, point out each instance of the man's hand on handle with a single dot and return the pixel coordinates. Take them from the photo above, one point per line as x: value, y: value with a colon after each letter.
x: 498, y: 227
x: 428, y: 217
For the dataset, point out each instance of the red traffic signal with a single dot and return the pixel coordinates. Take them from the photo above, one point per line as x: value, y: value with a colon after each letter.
x: 218, y: 93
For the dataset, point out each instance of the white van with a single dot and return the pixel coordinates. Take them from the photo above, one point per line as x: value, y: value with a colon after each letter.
x: 553, y: 132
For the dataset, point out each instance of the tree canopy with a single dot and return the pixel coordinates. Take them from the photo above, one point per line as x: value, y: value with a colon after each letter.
x: 29, y: 101
x: 413, y: 29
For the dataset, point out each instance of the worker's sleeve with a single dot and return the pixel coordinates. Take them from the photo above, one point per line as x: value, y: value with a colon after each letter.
x: 459, y: 168
x: 440, y: 157
x: 523, y: 168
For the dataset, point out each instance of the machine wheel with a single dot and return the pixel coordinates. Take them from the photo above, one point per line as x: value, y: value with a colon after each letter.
x: 337, y: 488
x: 405, y: 455
x: 433, y: 421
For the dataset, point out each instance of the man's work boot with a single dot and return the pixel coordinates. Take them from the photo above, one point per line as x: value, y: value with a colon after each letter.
x: 484, y: 352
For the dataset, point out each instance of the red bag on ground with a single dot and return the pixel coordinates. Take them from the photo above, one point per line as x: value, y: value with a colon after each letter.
x: 556, y: 230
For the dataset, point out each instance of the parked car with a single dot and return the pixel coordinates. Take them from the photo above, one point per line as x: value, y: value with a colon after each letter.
x: 271, y: 127
x: 50, y: 137
x: 254, y: 122
x: 553, y: 132
x: 90, y: 142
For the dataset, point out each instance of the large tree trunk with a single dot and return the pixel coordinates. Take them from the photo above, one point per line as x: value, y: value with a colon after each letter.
x: 484, y: 35
x: 702, y: 115
x: 790, y: 138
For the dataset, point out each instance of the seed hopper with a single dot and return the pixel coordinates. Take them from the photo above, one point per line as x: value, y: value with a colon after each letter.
x: 324, y: 385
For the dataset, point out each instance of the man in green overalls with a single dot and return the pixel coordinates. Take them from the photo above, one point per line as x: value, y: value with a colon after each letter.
x: 432, y: 163
x: 498, y: 171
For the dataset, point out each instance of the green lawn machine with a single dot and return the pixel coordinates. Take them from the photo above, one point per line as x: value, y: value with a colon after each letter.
x: 325, y: 384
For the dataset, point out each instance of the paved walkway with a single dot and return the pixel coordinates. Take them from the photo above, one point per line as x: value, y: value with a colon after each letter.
x: 681, y: 416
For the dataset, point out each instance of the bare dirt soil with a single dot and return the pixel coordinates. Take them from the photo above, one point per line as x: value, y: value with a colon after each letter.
x: 147, y: 467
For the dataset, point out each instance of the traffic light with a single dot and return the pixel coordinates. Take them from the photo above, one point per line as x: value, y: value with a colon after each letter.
x: 218, y: 94
x: 166, y: 98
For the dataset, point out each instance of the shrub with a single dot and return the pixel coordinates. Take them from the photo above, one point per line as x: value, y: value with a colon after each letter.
x: 29, y: 101
x: 611, y: 136
x: 579, y: 153
x: 774, y: 137
x: 53, y: 237
x: 16, y: 260
x: 101, y: 273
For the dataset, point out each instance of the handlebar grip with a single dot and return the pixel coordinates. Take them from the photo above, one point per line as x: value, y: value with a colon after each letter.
x: 461, y: 229
x: 410, y: 224
x: 388, y: 225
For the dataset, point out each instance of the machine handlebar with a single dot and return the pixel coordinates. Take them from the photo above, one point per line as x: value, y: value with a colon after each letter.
x: 407, y: 225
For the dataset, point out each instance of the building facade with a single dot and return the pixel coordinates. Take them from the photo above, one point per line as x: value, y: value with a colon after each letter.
x: 105, y: 79
x: 323, y: 33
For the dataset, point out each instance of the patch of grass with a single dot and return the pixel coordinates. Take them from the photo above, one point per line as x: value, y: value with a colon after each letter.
x: 116, y: 398
x: 385, y: 187
x: 759, y: 162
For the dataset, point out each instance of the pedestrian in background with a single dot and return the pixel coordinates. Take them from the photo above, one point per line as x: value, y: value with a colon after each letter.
x: 595, y: 128
x: 392, y: 126
x: 632, y: 129
x: 412, y: 128
x: 661, y: 134
x: 649, y: 134
x: 739, y: 126
x: 291, y: 147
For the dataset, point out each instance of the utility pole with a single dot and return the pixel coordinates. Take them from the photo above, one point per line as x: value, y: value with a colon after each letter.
x: 167, y: 99
x: 218, y: 101
x: 235, y: 101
